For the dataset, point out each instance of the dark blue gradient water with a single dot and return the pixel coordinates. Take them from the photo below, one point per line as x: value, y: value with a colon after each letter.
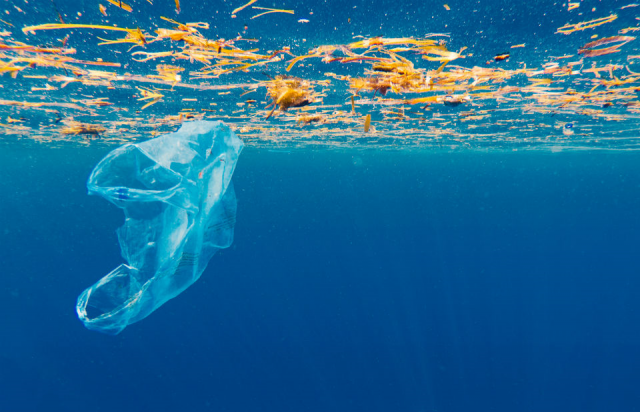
x: 358, y: 281
x: 421, y: 280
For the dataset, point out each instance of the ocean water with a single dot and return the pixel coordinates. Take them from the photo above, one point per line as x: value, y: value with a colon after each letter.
x: 486, y: 271
x: 422, y: 281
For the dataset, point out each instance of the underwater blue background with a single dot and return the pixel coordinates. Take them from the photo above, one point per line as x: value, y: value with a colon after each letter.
x: 432, y: 280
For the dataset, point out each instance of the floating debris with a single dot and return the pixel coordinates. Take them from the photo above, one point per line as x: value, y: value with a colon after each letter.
x: 420, y: 90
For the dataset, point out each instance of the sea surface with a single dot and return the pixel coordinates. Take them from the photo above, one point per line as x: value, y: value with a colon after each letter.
x: 444, y: 261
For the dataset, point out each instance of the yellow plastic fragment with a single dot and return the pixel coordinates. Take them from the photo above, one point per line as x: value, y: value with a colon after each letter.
x: 297, y: 59
x: 54, y: 26
x: 270, y: 11
x: 243, y: 7
x: 148, y: 94
x: 570, y: 28
x: 123, y: 6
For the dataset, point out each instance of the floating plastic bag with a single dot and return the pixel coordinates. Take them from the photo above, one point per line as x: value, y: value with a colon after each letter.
x: 179, y: 207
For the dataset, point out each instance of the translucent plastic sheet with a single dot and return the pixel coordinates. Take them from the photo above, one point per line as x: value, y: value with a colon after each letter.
x: 180, y: 208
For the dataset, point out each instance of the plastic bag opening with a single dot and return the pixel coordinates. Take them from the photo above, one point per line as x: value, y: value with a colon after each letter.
x: 180, y: 208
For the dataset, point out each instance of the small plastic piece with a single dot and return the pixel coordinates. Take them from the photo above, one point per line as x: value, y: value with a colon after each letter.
x: 180, y: 208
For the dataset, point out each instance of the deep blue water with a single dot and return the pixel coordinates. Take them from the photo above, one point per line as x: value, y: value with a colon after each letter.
x: 411, y: 281
x: 357, y: 281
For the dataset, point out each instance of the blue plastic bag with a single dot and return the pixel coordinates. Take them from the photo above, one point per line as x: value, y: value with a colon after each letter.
x: 180, y: 208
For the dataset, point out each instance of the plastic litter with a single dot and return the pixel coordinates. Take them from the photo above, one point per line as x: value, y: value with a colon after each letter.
x: 180, y: 208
